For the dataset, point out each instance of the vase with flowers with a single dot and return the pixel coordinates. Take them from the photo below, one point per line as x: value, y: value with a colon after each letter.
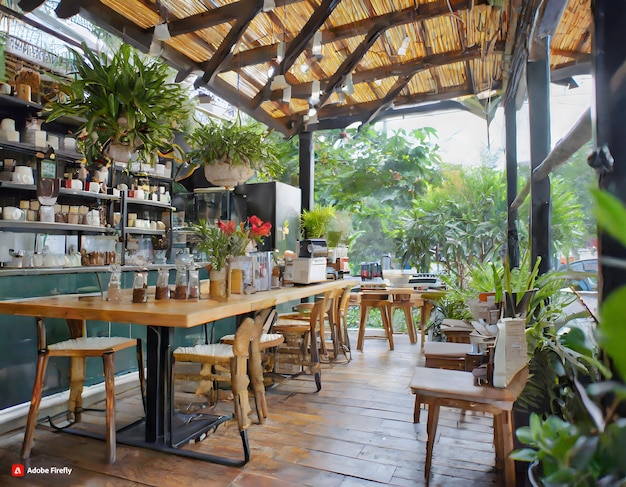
x: 225, y: 240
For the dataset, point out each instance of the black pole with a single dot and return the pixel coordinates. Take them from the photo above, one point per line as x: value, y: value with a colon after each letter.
x: 307, y: 172
x: 538, y: 80
x: 512, y: 249
x: 609, y: 120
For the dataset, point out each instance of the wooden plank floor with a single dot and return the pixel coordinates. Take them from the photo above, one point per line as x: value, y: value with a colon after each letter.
x: 357, y: 431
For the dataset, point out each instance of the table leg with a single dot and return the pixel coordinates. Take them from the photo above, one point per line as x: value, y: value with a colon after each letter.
x: 362, y: 323
x: 410, y: 325
x: 385, y: 312
x: 431, y: 432
x: 503, y: 439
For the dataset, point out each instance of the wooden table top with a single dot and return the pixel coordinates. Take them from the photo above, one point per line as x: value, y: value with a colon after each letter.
x: 454, y: 384
x: 170, y: 313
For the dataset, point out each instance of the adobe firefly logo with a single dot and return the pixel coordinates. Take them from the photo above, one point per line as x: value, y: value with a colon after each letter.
x: 17, y: 470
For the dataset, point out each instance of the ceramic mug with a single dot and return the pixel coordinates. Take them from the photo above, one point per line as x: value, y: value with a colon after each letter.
x: 12, y: 213
x: 23, y: 175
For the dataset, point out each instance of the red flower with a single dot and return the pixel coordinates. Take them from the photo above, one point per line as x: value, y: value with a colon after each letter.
x: 227, y: 227
x: 260, y: 231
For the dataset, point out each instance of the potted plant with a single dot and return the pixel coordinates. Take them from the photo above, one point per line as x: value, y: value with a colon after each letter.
x: 224, y: 240
x: 315, y: 222
x: 231, y: 151
x: 126, y: 103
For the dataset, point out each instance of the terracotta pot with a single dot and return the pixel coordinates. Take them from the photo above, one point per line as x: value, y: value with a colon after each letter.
x: 225, y: 174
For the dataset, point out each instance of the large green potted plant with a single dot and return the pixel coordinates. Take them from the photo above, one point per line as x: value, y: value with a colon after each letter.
x: 315, y: 222
x: 231, y: 151
x: 126, y: 104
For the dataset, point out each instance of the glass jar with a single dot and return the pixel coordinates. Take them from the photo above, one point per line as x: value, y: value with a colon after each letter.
x: 114, y: 290
x: 140, y: 287
x: 183, y: 258
x: 163, y: 284
x: 180, y: 291
x: 193, y: 290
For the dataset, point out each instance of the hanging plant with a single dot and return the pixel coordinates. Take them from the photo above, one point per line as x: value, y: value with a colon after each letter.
x: 126, y: 100
x: 231, y: 151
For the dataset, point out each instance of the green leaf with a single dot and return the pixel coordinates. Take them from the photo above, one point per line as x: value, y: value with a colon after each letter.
x: 613, y: 328
x: 524, y: 455
x: 610, y: 214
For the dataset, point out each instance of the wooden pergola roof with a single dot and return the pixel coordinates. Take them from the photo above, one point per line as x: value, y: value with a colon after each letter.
x: 352, y: 60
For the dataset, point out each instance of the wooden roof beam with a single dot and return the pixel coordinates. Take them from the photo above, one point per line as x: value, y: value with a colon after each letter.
x: 303, y: 90
x: 298, y: 45
x: 224, y: 53
x: 424, y: 11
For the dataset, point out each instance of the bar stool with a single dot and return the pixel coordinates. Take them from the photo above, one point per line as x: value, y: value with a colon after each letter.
x: 78, y: 349
x: 406, y: 302
x: 376, y: 300
x: 301, y: 339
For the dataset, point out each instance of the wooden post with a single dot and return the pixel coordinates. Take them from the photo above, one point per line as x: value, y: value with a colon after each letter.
x: 608, y: 120
x: 512, y: 249
x: 538, y: 80
x: 307, y: 169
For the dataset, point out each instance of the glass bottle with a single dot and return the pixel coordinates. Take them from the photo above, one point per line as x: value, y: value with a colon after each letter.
x: 180, y: 291
x: 114, y: 290
x: 140, y: 287
x: 193, y: 290
x: 163, y: 284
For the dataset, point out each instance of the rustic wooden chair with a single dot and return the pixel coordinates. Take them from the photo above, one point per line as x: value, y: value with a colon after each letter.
x: 240, y: 359
x: 341, y: 325
x: 78, y: 349
x: 301, y: 338
x: 267, y: 342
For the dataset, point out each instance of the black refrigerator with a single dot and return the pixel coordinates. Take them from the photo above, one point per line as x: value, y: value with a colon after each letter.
x: 278, y: 203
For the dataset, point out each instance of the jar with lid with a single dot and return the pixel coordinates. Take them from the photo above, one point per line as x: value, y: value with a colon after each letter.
x: 183, y: 258
x: 181, y: 283
x: 193, y: 289
x: 163, y: 284
x: 114, y: 290
x: 140, y: 287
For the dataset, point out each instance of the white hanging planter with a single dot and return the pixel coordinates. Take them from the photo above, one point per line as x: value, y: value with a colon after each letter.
x: 228, y: 175
x: 118, y: 152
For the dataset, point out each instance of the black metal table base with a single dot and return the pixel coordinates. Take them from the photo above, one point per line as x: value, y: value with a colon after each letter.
x: 186, y: 430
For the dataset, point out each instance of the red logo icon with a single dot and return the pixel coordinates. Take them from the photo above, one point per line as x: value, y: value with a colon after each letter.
x: 17, y: 470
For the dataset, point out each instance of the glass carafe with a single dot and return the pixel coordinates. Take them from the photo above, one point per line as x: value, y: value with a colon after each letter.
x: 140, y: 287
x: 180, y: 291
x: 114, y: 290
x: 163, y: 284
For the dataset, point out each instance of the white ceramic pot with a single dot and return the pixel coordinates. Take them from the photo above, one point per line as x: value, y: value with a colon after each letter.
x: 224, y: 174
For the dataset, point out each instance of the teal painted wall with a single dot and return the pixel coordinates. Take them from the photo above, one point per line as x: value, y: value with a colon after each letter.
x: 18, y: 336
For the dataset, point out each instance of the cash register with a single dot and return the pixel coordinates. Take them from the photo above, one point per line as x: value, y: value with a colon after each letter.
x: 310, y: 265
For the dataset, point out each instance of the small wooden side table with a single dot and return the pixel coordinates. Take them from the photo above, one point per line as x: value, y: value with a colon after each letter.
x: 452, y: 388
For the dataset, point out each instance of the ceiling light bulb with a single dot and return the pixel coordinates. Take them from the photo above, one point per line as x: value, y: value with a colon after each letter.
x: 268, y: 5
x: 315, y: 92
x: 404, y: 46
x: 270, y: 71
x: 378, y: 82
x: 161, y: 32
x: 316, y: 50
x: 280, y: 51
x: 279, y: 82
x: 304, y: 68
x: 312, y: 112
x: 287, y: 94
x: 348, y: 87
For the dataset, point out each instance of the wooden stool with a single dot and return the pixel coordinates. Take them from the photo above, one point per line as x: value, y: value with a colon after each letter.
x: 442, y: 355
x: 382, y: 302
x: 406, y: 302
x: 78, y: 349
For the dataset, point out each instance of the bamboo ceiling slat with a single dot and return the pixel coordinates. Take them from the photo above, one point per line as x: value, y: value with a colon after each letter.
x: 444, y: 34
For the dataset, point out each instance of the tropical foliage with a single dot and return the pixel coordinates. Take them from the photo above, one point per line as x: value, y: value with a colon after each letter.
x: 125, y: 99
x: 582, y: 443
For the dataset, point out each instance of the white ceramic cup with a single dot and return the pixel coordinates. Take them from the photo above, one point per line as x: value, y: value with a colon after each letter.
x: 23, y: 175
x: 12, y: 213
x: 7, y: 123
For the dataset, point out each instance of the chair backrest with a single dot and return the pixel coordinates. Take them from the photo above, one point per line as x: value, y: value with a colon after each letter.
x: 243, y: 336
x: 263, y: 322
